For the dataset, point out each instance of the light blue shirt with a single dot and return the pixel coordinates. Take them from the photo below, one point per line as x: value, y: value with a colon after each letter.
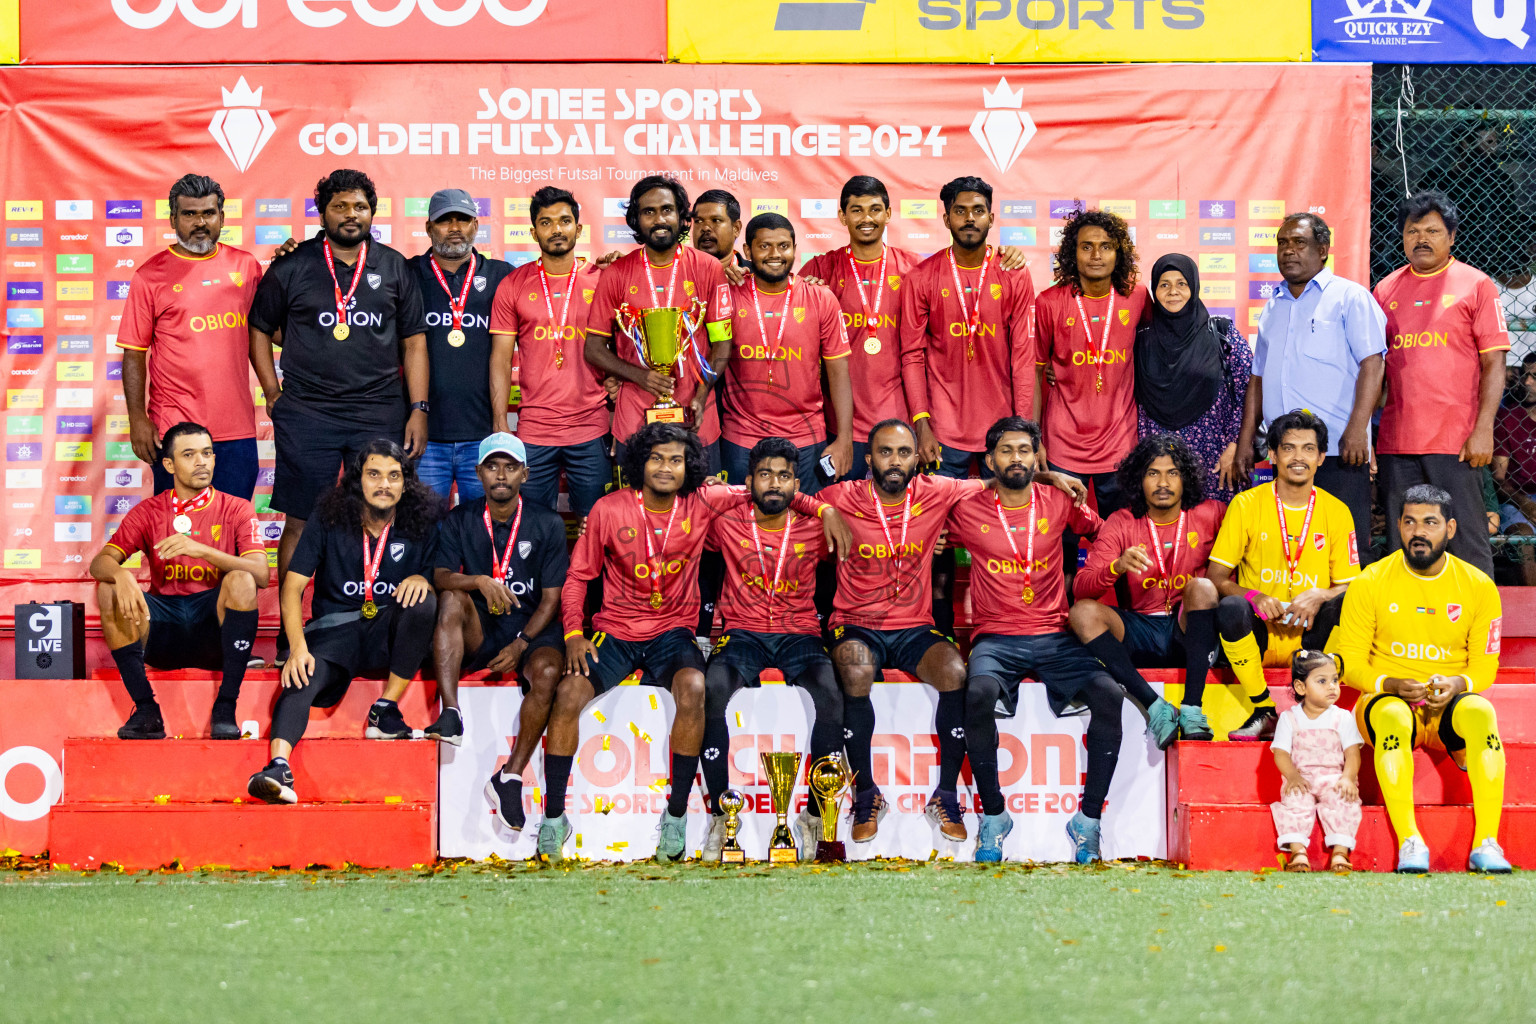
x: 1310, y: 349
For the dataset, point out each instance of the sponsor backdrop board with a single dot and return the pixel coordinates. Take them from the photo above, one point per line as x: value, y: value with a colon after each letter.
x: 993, y: 31
x: 241, y: 31
x: 619, y: 786
x: 1185, y: 153
x: 1424, y: 31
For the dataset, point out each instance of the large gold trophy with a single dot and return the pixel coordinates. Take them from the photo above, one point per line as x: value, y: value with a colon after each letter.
x: 781, y: 768
x: 830, y: 778
x: 660, y: 337
x: 731, y: 802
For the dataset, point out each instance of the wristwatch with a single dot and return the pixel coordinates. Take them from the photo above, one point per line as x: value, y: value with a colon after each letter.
x: 421, y: 406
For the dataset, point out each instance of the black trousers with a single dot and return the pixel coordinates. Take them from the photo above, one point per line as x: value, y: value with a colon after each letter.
x: 1465, y: 484
x: 1352, y: 486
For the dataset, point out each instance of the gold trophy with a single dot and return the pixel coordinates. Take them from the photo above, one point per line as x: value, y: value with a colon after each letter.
x: 731, y: 802
x: 782, y: 768
x: 830, y: 778
x: 658, y: 336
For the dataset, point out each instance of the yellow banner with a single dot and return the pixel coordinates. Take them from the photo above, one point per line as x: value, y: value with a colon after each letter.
x: 983, y: 31
x: 10, y: 31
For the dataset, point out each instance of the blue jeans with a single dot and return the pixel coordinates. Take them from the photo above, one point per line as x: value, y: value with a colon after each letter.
x: 234, y: 468
x: 445, y: 463
x: 733, y: 458
x: 587, y: 473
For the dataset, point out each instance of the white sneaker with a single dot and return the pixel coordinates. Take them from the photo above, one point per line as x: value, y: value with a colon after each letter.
x: 714, y: 841
x: 807, y: 832
x: 1413, y: 857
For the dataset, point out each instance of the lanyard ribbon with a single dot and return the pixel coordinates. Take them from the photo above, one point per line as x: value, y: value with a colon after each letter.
x: 1029, y: 545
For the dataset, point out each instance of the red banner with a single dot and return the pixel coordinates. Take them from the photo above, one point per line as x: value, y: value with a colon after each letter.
x: 249, y: 31
x: 1188, y: 154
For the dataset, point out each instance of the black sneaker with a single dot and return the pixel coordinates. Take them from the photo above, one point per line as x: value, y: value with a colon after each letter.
x: 386, y: 723
x: 449, y: 727
x: 507, y: 799
x: 280, y: 658
x: 274, y: 784
x: 144, y: 724
x: 222, y: 726
x: 1259, y: 726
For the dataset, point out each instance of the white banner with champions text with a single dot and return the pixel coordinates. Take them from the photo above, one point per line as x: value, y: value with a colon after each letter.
x: 619, y: 785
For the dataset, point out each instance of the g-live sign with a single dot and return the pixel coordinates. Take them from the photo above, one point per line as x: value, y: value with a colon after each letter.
x: 1424, y: 31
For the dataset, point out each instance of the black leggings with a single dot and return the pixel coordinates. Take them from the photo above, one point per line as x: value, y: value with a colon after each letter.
x: 1104, y: 700
x: 721, y: 683
x: 408, y: 633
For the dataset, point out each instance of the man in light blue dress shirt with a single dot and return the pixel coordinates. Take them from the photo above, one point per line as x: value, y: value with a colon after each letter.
x: 1321, y: 347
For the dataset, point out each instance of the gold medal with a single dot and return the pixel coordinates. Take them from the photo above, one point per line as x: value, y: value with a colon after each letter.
x: 559, y: 360
x: 1029, y: 595
x: 456, y: 337
x: 656, y: 600
x: 370, y: 609
x: 182, y: 523
x: 872, y: 345
x: 340, y: 332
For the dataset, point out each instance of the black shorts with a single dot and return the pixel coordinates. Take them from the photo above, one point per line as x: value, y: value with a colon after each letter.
x: 1059, y: 660
x: 900, y: 649
x: 747, y: 653
x: 498, y: 631
x: 1314, y: 637
x: 184, y: 631
x: 1156, y: 641
x: 660, y: 658
x: 312, y: 444
x: 359, y: 647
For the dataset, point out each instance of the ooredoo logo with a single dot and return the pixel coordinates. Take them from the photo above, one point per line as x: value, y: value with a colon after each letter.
x: 1003, y: 128
x: 309, y: 14
x: 242, y: 128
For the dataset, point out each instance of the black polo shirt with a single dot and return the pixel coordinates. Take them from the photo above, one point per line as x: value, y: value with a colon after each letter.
x: 539, y: 559
x: 333, y: 558
x: 460, y: 385
x: 296, y: 296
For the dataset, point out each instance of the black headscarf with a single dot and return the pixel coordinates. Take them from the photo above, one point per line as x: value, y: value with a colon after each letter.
x: 1180, y: 367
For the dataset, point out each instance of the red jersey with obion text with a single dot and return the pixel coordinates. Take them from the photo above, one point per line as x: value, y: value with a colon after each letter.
x: 868, y: 294
x: 614, y: 547
x: 1000, y: 581
x: 219, y: 520
x: 189, y: 313
x: 563, y: 401
x: 1184, y: 556
x: 966, y: 380
x: 773, y: 381
x: 770, y: 575
x: 886, y: 583
x: 1088, y: 429
x: 631, y: 279
x: 1438, y: 326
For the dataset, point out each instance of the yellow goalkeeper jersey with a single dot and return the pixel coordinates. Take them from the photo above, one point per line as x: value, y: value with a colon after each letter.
x: 1251, y: 542
x: 1400, y: 624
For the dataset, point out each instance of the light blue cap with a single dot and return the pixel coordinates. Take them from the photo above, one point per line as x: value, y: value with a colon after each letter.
x: 503, y: 444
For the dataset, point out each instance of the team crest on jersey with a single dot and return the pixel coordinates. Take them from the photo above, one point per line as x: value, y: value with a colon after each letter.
x: 1447, y: 301
x: 1045, y: 524
x: 688, y: 287
x: 996, y: 290
x: 799, y: 314
x: 586, y: 295
x: 799, y: 550
x: 218, y: 532
x: 1453, y: 612
x: 396, y: 551
x: 1495, y: 633
x: 893, y: 281
x: 479, y: 283
x: 1125, y: 317
x: 524, y: 549
x: 687, y: 525
x: 1317, y: 541
x: 374, y: 280
x: 1193, y: 538
x: 237, y: 278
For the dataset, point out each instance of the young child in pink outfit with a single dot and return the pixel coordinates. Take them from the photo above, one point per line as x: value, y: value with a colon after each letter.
x: 1317, y: 749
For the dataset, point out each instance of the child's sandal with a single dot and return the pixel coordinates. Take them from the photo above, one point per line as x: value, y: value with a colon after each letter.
x: 1339, y: 864
x: 1298, y: 862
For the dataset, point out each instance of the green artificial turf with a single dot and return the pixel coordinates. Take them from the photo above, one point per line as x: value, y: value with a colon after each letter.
x: 882, y: 942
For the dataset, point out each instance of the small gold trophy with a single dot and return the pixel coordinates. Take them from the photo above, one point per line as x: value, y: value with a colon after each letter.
x: 782, y: 769
x: 731, y: 802
x: 830, y: 778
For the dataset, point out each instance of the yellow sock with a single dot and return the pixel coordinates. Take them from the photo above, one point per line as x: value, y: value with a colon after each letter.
x: 1475, y: 721
x: 1247, y: 663
x: 1392, y: 722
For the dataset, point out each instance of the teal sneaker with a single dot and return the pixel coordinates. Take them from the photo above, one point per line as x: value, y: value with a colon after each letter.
x: 674, y: 838
x: 1084, y: 833
x: 1193, y: 724
x: 990, y: 835
x: 1488, y: 858
x: 1163, y: 722
x: 552, y: 837
x: 1413, y: 857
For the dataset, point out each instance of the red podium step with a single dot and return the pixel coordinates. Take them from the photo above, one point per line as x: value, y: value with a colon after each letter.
x: 1224, y: 837
x: 211, y: 771
x: 243, y: 837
